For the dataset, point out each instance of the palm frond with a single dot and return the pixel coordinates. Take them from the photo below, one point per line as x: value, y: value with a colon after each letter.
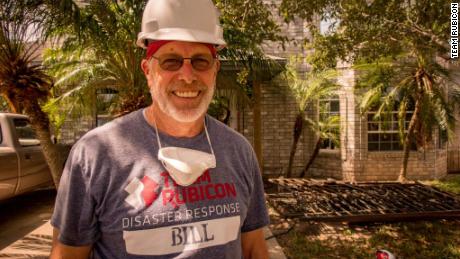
x: 311, y: 86
x: 396, y: 86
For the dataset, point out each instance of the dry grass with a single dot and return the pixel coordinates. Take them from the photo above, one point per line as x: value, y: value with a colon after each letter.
x: 422, y: 239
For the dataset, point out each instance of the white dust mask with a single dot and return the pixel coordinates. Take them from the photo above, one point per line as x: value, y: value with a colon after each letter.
x: 185, y: 165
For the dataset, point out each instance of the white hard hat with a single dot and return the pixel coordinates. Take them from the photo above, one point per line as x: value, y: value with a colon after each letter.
x: 181, y: 20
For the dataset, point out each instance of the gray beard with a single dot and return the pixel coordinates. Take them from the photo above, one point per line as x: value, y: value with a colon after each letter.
x: 186, y: 115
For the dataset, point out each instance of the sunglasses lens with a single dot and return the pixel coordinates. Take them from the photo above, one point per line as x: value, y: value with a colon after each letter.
x: 171, y: 63
x: 200, y: 62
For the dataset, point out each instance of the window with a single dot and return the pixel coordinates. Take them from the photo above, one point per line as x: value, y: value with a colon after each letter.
x: 26, y: 135
x: 383, y: 134
x: 330, y: 113
x: 442, y: 138
x: 105, y: 97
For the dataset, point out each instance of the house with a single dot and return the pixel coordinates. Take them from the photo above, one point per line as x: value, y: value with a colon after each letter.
x: 368, y: 150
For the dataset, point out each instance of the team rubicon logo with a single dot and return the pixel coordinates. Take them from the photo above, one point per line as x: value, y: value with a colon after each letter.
x: 142, y: 193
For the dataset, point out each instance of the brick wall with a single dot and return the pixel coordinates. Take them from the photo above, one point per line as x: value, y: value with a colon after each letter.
x: 328, y: 164
x: 295, y: 31
x: 385, y: 166
x: 453, y: 147
x: 279, y: 111
x: 441, y: 164
x: 279, y: 108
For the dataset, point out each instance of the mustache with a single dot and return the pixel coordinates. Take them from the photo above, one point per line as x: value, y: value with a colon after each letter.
x: 181, y: 85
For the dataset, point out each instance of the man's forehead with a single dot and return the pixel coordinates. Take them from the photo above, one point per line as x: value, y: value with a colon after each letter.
x: 183, y: 47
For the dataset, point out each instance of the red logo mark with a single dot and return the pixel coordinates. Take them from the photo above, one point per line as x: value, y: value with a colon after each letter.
x: 149, y: 193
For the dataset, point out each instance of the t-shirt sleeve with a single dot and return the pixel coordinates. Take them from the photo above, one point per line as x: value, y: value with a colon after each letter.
x: 257, y: 215
x: 74, y: 211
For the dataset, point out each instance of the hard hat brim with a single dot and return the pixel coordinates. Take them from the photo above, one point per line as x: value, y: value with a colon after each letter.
x: 179, y: 34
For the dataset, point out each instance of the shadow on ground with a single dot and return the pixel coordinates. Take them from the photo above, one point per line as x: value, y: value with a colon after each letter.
x: 419, y: 239
x: 21, y: 215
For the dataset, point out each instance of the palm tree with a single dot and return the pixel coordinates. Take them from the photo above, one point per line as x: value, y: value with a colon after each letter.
x: 313, y: 86
x: 326, y: 128
x: 24, y: 85
x: 4, y: 105
x: 420, y: 85
x: 97, y: 50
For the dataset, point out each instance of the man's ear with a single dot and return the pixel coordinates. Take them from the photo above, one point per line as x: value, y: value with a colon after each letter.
x: 145, y: 66
x: 218, y: 64
x: 217, y: 67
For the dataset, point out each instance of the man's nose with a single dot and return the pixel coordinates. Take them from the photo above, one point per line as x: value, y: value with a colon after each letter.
x: 187, y: 73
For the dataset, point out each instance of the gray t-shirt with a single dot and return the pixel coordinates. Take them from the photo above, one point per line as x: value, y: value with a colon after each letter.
x: 115, y: 194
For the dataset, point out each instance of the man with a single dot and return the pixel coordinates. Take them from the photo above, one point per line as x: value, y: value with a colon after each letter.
x: 167, y: 181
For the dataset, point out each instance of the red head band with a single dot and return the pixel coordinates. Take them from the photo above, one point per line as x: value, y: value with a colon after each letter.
x: 155, y: 45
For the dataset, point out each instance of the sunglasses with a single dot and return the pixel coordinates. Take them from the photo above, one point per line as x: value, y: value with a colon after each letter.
x: 173, y: 62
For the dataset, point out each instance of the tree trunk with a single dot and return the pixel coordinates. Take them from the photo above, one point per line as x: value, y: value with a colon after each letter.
x: 312, y: 158
x: 257, y: 116
x: 407, y: 142
x: 55, y: 155
x: 298, y: 127
x: 10, y: 103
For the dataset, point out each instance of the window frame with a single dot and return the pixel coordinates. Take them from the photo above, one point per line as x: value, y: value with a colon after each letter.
x: 327, y: 144
x: 384, y: 129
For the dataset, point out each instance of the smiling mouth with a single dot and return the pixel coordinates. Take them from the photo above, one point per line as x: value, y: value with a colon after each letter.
x: 186, y: 94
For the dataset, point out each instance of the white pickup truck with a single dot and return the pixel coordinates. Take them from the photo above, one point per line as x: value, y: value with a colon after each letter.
x: 22, y: 164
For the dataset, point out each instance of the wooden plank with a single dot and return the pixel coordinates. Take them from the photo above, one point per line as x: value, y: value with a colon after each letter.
x: 386, y: 217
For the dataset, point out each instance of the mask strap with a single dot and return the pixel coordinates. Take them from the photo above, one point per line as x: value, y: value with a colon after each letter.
x: 156, y: 131
x: 158, y: 135
x: 207, y: 136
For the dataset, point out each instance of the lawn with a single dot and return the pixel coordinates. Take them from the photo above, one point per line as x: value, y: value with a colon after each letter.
x: 418, y: 239
x: 451, y: 183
